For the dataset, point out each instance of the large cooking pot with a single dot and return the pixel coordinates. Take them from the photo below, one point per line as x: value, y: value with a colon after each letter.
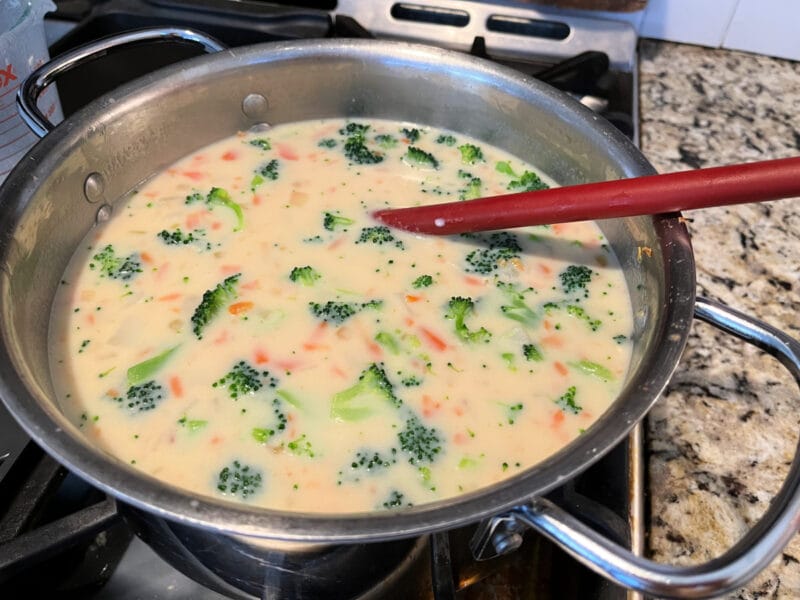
x: 72, y: 177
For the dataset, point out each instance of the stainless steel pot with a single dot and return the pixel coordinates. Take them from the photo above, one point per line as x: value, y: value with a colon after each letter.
x: 72, y: 177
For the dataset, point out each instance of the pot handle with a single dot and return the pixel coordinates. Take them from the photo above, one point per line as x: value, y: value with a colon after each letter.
x: 35, y: 84
x: 735, y: 567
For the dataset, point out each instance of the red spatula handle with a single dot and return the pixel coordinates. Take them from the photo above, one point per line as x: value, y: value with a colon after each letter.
x: 702, y: 188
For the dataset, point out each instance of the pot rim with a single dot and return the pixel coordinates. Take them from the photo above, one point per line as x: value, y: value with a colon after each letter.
x: 50, y: 429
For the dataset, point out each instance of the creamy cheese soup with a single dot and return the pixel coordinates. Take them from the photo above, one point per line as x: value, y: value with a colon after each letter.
x: 243, y: 328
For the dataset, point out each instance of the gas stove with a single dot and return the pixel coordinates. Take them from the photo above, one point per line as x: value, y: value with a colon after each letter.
x: 53, y: 523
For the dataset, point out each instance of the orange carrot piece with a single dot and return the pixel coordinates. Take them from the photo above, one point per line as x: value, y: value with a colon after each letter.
x: 475, y: 281
x: 170, y: 297
x: 193, y: 175
x: 561, y: 368
x: 146, y: 258
x: 412, y: 298
x: 459, y: 438
x: 261, y: 357
x: 175, y: 386
x: 433, y: 339
x: 544, y: 268
x: 230, y: 269
x: 286, y: 151
x: 230, y: 155
x: 256, y: 199
x: 558, y: 419
x: 238, y: 308
x: 553, y: 341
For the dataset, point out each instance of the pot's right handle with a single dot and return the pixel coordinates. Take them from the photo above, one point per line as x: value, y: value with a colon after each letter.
x: 734, y: 568
x: 35, y: 84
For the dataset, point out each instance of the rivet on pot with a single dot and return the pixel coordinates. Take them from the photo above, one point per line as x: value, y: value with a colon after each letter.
x: 93, y: 187
x: 103, y: 213
x: 255, y: 106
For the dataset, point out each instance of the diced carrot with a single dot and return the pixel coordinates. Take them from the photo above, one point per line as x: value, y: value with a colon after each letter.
x: 558, y: 419
x: 215, y: 440
x: 90, y: 319
x: 193, y: 175
x: 460, y: 438
x: 170, y: 297
x: 221, y: 338
x: 250, y: 285
x: 459, y: 411
x: 238, y: 308
x: 336, y: 243
x: 146, y: 258
x: 230, y: 269
x: 288, y: 364
x: 544, y: 268
x: 429, y: 406
x: 553, y: 341
x: 286, y: 151
x: 559, y: 228
x: 474, y: 281
x: 216, y: 225
x: 175, y: 386
x: 112, y: 393
x: 256, y: 199
x: 547, y: 324
x: 411, y: 298
x: 261, y: 357
x: 194, y: 219
x: 433, y: 339
x: 298, y: 198
x: 374, y: 349
x: 151, y: 194
x: 230, y: 155
x: 561, y: 368
x: 338, y: 372
x: 409, y: 321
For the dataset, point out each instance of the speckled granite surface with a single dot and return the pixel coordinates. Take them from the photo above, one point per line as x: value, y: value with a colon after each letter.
x: 723, y: 434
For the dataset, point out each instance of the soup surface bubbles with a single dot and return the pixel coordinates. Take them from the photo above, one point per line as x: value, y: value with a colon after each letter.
x: 242, y: 327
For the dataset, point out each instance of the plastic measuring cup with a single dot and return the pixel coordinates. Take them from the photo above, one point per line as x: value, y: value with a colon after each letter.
x: 23, y: 48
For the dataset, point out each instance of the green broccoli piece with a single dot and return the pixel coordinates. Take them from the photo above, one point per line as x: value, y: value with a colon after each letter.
x: 301, y: 447
x: 470, y: 154
x: 238, y: 479
x: 115, y: 267
x: 144, y: 370
x: 422, y: 281
x: 327, y: 143
x: 388, y: 341
x: 141, y: 398
x: 386, y: 141
x: 594, y: 369
x: 306, y: 275
x: 532, y: 353
x: 244, y: 379
x: 219, y: 197
x: 418, y: 157
x: 458, y: 309
x: 269, y: 171
x: 527, y: 182
x: 213, y: 302
x: 566, y: 402
x: 355, y: 147
x: 331, y: 221
x: 620, y: 339
x: 372, y: 460
x: 176, y: 237
x: 517, y: 309
x: 261, y: 143
x: 446, y: 139
x: 192, y: 424
x: 512, y: 411
x: 339, y: 312
x: 580, y: 313
x: 576, y: 278
x: 263, y: 434
x: 364, y: 397
x: 501, y: 247
x: 411, y: 134
x: 422, y: 444
x: 411, y: 381
x: 395, y: 500
x: 378, y: 235
x: 472, y: 191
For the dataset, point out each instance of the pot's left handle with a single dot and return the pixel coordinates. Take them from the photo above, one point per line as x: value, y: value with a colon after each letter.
x: 735, y: 567
x: 35, y: 84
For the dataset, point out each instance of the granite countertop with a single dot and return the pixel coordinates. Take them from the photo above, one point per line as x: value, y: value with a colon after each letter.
x: 721, y: 437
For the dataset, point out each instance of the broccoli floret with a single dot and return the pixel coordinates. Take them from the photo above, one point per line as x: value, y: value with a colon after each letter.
x: 422, y: 444
x: 412, y: 135
x: 576, y: 278
x: 472, y: 191
x: 301, y: 447
x: 327, y: 143
x: 527, y: 182
x: 517, y: 309
x: 238, y: 479
x: 379, y: 235
x: 331, y: 221
x: 355, y: 147
x: 422, y: 281
x: 269, y: 171
x: 219, y: 197
x: 261, y: 143
x: 566, y: 402
x: 411, y: 381
x: 531, y: 352
x: 458, y: 309
x: 388, y: 341
x: 364, y: 398
x: 306, y: 275
x: 395, y: 500
x: 512, y: 411
x: 470, y: 154
x: 418, y: 157
x: 176, y: 237
x: 339, y: 312
x: 212, y: 303
x: 142, y: 397
x: 580, y: 313
x: 244, y: 379
x: 263, y: 434
x: 446, y: 139
x: 386, y: 141
x: 501, y: 247
x: 370, y: 460
x: 115, y: 267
